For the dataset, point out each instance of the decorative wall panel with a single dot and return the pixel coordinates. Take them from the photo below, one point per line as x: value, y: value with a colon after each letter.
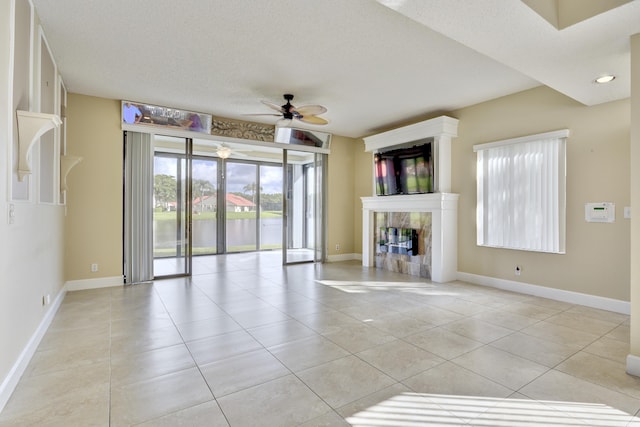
x: 243, y: 130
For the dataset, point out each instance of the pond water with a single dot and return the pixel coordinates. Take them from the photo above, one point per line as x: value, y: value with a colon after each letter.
x: 240, y: 232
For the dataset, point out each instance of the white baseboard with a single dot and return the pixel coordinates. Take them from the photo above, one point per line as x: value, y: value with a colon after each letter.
x: 633, y: 365
x: 593, y: 301
x: 17, y: 370
x: 100, y: 282
x: 344, y: 257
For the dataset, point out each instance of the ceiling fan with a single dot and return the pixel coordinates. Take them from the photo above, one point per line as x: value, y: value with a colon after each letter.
x: 306, y: 113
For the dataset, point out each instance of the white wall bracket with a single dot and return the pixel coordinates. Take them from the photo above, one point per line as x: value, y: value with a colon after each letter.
x: 66, y: 164
x: 31, y: 126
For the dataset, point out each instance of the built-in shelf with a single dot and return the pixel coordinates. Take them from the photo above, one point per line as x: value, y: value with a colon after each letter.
x: 66, y: 164
x: 31, y: 126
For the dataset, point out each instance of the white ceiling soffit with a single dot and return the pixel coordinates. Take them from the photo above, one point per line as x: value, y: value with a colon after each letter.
x: 567, y: 60
x: 370, y: 66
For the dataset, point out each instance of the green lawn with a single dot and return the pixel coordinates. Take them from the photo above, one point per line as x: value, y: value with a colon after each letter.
x: 170, y: 252
x: 171, y: 216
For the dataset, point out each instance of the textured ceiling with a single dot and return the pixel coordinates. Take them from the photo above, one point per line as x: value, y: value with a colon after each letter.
x: 372, y: 64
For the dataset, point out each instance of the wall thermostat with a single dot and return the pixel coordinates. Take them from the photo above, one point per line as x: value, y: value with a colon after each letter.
x: 600, y: 212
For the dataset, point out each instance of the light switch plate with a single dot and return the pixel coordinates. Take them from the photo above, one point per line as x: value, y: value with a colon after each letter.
x: 11, y: 213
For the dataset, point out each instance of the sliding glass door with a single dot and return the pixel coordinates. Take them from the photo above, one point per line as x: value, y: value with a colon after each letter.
x: 262, y: 199
x: 172, y: 202
x: 253, y: 206
x: 241, y: 207
x: 304, y: 230
x: 204, y: 190
x: 270, y: 196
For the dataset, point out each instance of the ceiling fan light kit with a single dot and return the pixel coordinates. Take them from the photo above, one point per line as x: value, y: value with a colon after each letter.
x: 223, y: 151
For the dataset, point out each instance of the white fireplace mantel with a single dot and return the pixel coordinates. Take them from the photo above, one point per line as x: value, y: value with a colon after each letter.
x: 439, y: 130
x: 444, y: 223
x: 442, y: 204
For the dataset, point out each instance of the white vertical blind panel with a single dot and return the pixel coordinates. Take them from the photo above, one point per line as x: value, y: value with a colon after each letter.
x: 521, y: 195
x: 138, y: 208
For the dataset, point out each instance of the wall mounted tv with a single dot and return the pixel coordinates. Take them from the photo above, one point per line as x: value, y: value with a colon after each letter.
x: 404, y: 171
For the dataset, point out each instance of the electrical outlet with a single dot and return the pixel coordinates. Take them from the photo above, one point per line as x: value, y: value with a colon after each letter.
x: 94, y: 268
x: 518, y: 270
x: 337, y: 247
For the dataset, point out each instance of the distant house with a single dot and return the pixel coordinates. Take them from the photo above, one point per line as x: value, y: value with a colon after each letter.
x: 205, y: 204
x: 237, y: 203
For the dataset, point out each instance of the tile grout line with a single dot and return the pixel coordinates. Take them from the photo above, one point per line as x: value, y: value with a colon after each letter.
x: 196, y: 364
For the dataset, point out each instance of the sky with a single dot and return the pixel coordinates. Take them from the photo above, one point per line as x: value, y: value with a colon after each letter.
x: 238, y: 174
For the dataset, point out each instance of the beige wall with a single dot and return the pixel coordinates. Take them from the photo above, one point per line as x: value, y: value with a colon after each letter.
x: 596, y: 260
x: 94, y: 195
x: 340, y: 204
x: 363, y: 187
x: 635, y: 196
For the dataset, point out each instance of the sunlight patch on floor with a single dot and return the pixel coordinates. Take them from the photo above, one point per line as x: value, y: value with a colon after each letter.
x: 354, y: 286
x: 419, y: 409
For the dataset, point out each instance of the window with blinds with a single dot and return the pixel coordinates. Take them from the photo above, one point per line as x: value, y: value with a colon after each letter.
x: 522, y: 193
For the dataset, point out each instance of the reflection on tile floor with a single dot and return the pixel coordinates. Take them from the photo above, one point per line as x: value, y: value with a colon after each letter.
x: 246, y: 341
x: 203, y: 264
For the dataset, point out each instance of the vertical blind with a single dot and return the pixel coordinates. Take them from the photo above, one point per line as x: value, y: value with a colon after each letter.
x: 522, y: 193
x: 138, y: 208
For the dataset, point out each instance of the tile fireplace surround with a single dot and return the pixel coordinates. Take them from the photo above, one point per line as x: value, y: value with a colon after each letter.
x: 438, y: 249
x: 438, y: 255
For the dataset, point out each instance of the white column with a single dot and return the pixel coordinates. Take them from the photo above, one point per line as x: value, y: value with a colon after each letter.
x: 442, y: 150
x: 367, y: 237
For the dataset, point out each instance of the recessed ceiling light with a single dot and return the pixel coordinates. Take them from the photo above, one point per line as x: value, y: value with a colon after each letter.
x: 605, y: 79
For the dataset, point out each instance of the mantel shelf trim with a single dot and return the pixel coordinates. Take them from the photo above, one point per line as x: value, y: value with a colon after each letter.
x: 440, y: 127
x: 31, y: 126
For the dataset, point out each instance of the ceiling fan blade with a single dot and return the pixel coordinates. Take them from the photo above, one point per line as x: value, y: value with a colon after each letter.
x: 273, y: 106
x: 263, y: 114
x: 313, y: 120
x: 311, y: 110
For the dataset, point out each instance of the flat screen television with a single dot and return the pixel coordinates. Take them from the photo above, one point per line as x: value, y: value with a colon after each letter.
x: 404, y: 171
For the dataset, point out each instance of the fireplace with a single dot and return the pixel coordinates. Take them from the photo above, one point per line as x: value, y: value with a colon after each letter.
x: 437, y: 238
x: 432, y: 216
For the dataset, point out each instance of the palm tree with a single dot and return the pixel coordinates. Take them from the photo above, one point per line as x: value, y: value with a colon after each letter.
x: 201, y: 188
x: 251, y: 189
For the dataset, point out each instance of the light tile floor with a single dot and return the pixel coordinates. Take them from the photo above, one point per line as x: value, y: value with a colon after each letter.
x: 248, y: 342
